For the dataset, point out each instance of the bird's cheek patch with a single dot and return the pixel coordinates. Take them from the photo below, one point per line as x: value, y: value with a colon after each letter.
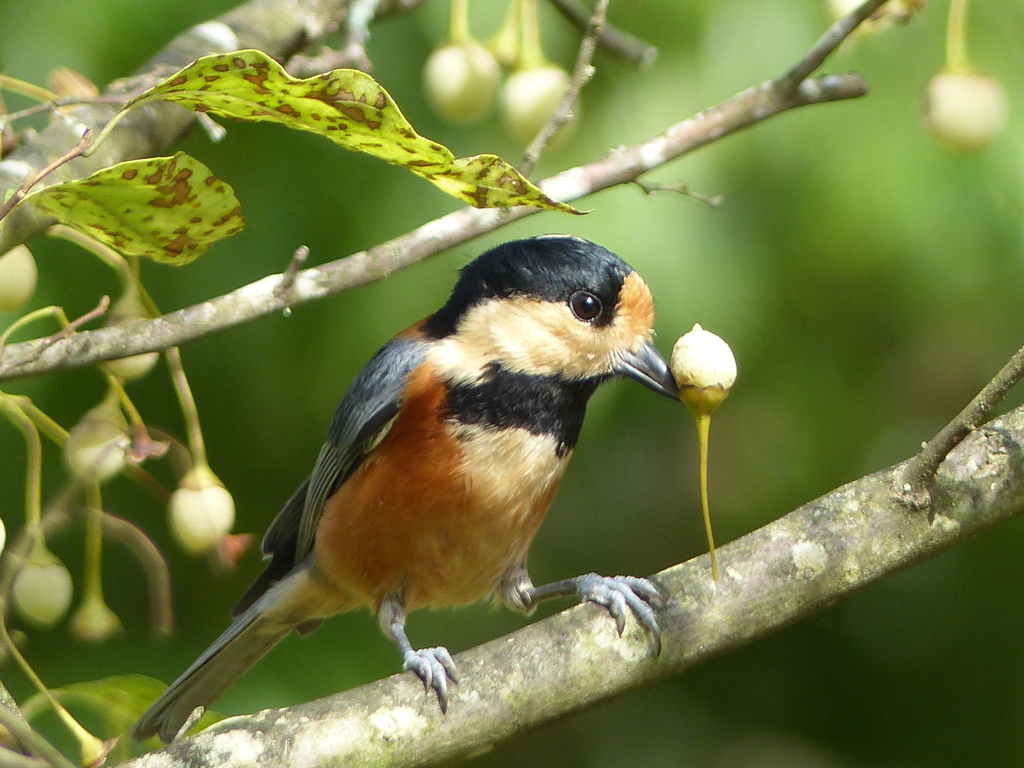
x: 636, y: 310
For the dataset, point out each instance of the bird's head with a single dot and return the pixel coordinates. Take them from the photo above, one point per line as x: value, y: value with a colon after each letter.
x: 553, y: 306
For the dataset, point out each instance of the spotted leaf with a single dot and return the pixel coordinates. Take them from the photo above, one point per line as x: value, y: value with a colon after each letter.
x: 350, y: 108
x: 170, y: 209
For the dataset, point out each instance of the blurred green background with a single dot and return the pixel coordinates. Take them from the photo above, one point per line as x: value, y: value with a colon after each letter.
x: 868, y: 281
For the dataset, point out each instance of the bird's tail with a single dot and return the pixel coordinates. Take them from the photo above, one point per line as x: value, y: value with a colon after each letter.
x: 248, y: 638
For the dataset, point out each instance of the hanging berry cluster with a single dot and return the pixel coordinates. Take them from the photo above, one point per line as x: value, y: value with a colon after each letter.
x: 462, y: 77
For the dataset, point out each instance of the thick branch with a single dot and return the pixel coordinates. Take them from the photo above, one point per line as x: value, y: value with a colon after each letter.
x: 260, y: 298
x: 771, y: 578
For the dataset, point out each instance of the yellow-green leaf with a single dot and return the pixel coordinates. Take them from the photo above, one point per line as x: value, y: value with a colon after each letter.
x: 350, y: 108
x: 170, y: 209
x: 121, y: 699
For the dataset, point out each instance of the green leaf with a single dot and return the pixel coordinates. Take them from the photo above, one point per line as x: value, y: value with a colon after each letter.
x: 170, y: 209
x: 350, y: 108
x: 121, y: 699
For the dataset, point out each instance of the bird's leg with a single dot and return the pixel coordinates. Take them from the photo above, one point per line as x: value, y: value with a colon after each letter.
x: 619, y: 594
x: 434, y: 666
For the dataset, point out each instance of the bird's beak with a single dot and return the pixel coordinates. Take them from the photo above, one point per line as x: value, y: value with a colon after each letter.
x: 648, y: 367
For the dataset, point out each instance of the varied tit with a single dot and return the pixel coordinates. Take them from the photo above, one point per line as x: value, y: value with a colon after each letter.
x: 442, y: 460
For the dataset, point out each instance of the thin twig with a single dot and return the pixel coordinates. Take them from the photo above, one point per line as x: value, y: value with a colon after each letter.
x: 615, y: 42
x: 214, y: 130
x: 653, y: 187
x: 34, y: 178
x: 103, y: 252
x: 66, y: 101
x: 51, y: 311
x: 301, y: 65
x: 288, y: 277
x: 826, y: 44
x: 98, y: 311
x: 353, y: 55
x: 914, y: 478
x: 581, y: 75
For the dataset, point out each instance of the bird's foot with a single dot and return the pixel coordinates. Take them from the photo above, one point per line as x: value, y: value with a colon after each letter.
x: 435, y: 667
x: 620, y: 595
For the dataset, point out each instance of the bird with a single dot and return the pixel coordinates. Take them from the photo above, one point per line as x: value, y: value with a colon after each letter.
x: 440, y: 464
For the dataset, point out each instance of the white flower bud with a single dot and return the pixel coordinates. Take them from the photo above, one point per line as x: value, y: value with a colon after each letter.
x: 94, y: 622
x: 705, y: 369
x: 529, y: 99
x: 3, y: 535
x: 42, y: 590
x: 18, y: 274
x: 965, y: 111
x: 96, y: 445
x: 202, y: 511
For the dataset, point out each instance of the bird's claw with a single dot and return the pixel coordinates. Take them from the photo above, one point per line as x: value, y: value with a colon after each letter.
x: 435, y: 667
x: 620, y: 594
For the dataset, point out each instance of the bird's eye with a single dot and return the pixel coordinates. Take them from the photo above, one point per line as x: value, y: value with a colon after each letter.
x: 585, y: 305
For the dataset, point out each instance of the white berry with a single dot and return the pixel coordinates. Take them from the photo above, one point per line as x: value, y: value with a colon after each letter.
x: 201, y: 511
x: 96, y: 445
x: 461, y: 81
x: 18, y: 274
x: 126, y: 310
x: 42, y: 590
x: 529, y: 99
x: 966, y: 111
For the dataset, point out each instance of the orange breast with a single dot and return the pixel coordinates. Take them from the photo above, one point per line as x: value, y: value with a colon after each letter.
x: 436, y: 516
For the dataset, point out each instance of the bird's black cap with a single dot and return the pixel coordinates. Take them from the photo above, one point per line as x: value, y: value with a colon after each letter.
x: 548, y: 268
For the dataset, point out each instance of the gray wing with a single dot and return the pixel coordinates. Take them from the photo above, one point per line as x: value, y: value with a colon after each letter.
x: 363, y: 418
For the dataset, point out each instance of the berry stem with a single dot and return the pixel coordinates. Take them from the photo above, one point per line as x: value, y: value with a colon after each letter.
x: 94, y: 544
x: 703, y: 437
x: 119, y: 395
x: 34, y: 449
x: 196, y: 444
x: 956, y: 37
x: 29, y: 90
x: 43, y: 422
x: 505, y: 43
x: 531, y: 52
x: 104, y: 253
x: 458, y: 23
